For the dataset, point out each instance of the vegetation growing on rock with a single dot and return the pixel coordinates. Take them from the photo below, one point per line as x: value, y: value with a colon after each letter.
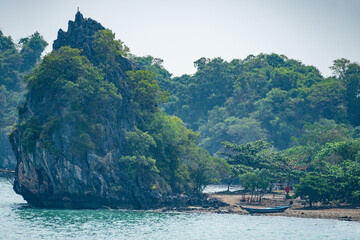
x: 91, y: 132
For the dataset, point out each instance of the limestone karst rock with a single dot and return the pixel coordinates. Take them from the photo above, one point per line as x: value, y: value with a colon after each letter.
x: 71, y: 134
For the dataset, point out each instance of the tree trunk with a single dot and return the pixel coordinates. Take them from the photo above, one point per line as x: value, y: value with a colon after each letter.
x: 229, y: 181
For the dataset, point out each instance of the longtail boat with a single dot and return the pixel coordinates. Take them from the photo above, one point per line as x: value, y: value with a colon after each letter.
x: 267, y: 210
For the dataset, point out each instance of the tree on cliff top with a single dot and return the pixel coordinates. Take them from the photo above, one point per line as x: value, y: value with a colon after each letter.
x: 31, y: 50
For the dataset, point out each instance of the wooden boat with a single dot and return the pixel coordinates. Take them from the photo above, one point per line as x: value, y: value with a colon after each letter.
x: 267, y: 210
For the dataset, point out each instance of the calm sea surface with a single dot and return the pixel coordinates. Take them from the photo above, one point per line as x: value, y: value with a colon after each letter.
x: 19, y: 221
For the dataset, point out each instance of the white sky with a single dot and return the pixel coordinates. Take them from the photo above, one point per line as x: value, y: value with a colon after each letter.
x: 315, y: 32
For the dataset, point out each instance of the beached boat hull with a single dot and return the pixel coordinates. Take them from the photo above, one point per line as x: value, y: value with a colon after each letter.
x: 266, y: 210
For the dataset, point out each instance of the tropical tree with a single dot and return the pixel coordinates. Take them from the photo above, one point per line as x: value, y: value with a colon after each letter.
x: 314, y: 188
x: 31, y: 50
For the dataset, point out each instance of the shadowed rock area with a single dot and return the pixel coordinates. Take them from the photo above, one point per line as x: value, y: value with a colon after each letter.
x: 7, y: 157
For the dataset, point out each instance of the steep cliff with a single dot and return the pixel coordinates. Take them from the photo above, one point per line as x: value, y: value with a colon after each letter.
x: 90, y: 133
x: 7, y: 157
x: 81, y: 35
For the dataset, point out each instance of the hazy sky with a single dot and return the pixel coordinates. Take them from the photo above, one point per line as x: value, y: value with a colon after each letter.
x: 316, y: 32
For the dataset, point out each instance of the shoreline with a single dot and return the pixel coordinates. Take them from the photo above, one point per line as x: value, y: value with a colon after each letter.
x: 350, y: 214
x: 343, y: 212
x: 234, y: 201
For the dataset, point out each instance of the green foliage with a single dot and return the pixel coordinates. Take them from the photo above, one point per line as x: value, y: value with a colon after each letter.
x: 339, y: 67
x: 164, y: 147
x: 10, y: 64
x: 31, y: 49
x: 257, y: 182
x: 247, y: 154
x: 209, y: 87
x: 82, y: 143
x: 171, y: 139
x: 139, y: 142
x: 338, y: 152
x: 322, y: 132
x: 284, y: 79
x: 259, y: 179
x: 248, y: 180
x: 65, y: 78
x: 146, y: 93
x: 8, y: 103
x: 205, y: 169
x: 14, y: 62
x: 264, y: 96
x: 231, y: 129
x: 267, y: 96
x: 140, y: 167
x: 259, y: 156
x: 351, y: 79
x: 31, y: 133
x: 108, y: 54
x: 244, y: 158
x: 301, y: 156
x: 336, y: 161
x: 155, y: 65
x: 327, y: 99
x: 314, y: 189
x: 345, y: 177
x: 183, y: 165
x: 66, y: 71
x: 106, y: 47
x: 281, y: 100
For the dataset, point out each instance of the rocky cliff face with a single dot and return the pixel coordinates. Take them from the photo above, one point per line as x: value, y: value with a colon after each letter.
x: 80, y: 35
x: 61, y: 176
x: 51, y: 172
x: 7, y: 157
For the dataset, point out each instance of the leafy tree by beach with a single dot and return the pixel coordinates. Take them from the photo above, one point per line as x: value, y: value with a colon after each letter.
x: 314, y: 188
x: 257, y: 182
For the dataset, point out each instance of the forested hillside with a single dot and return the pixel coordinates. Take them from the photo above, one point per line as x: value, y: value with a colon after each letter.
x: 15, y: 61
x: 274, y: 119
x: 261, y: 97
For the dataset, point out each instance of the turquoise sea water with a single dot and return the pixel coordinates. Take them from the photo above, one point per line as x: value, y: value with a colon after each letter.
x: 19, y: 221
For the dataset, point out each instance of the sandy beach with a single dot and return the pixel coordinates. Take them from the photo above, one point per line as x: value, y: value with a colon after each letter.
x: 298, y: 209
